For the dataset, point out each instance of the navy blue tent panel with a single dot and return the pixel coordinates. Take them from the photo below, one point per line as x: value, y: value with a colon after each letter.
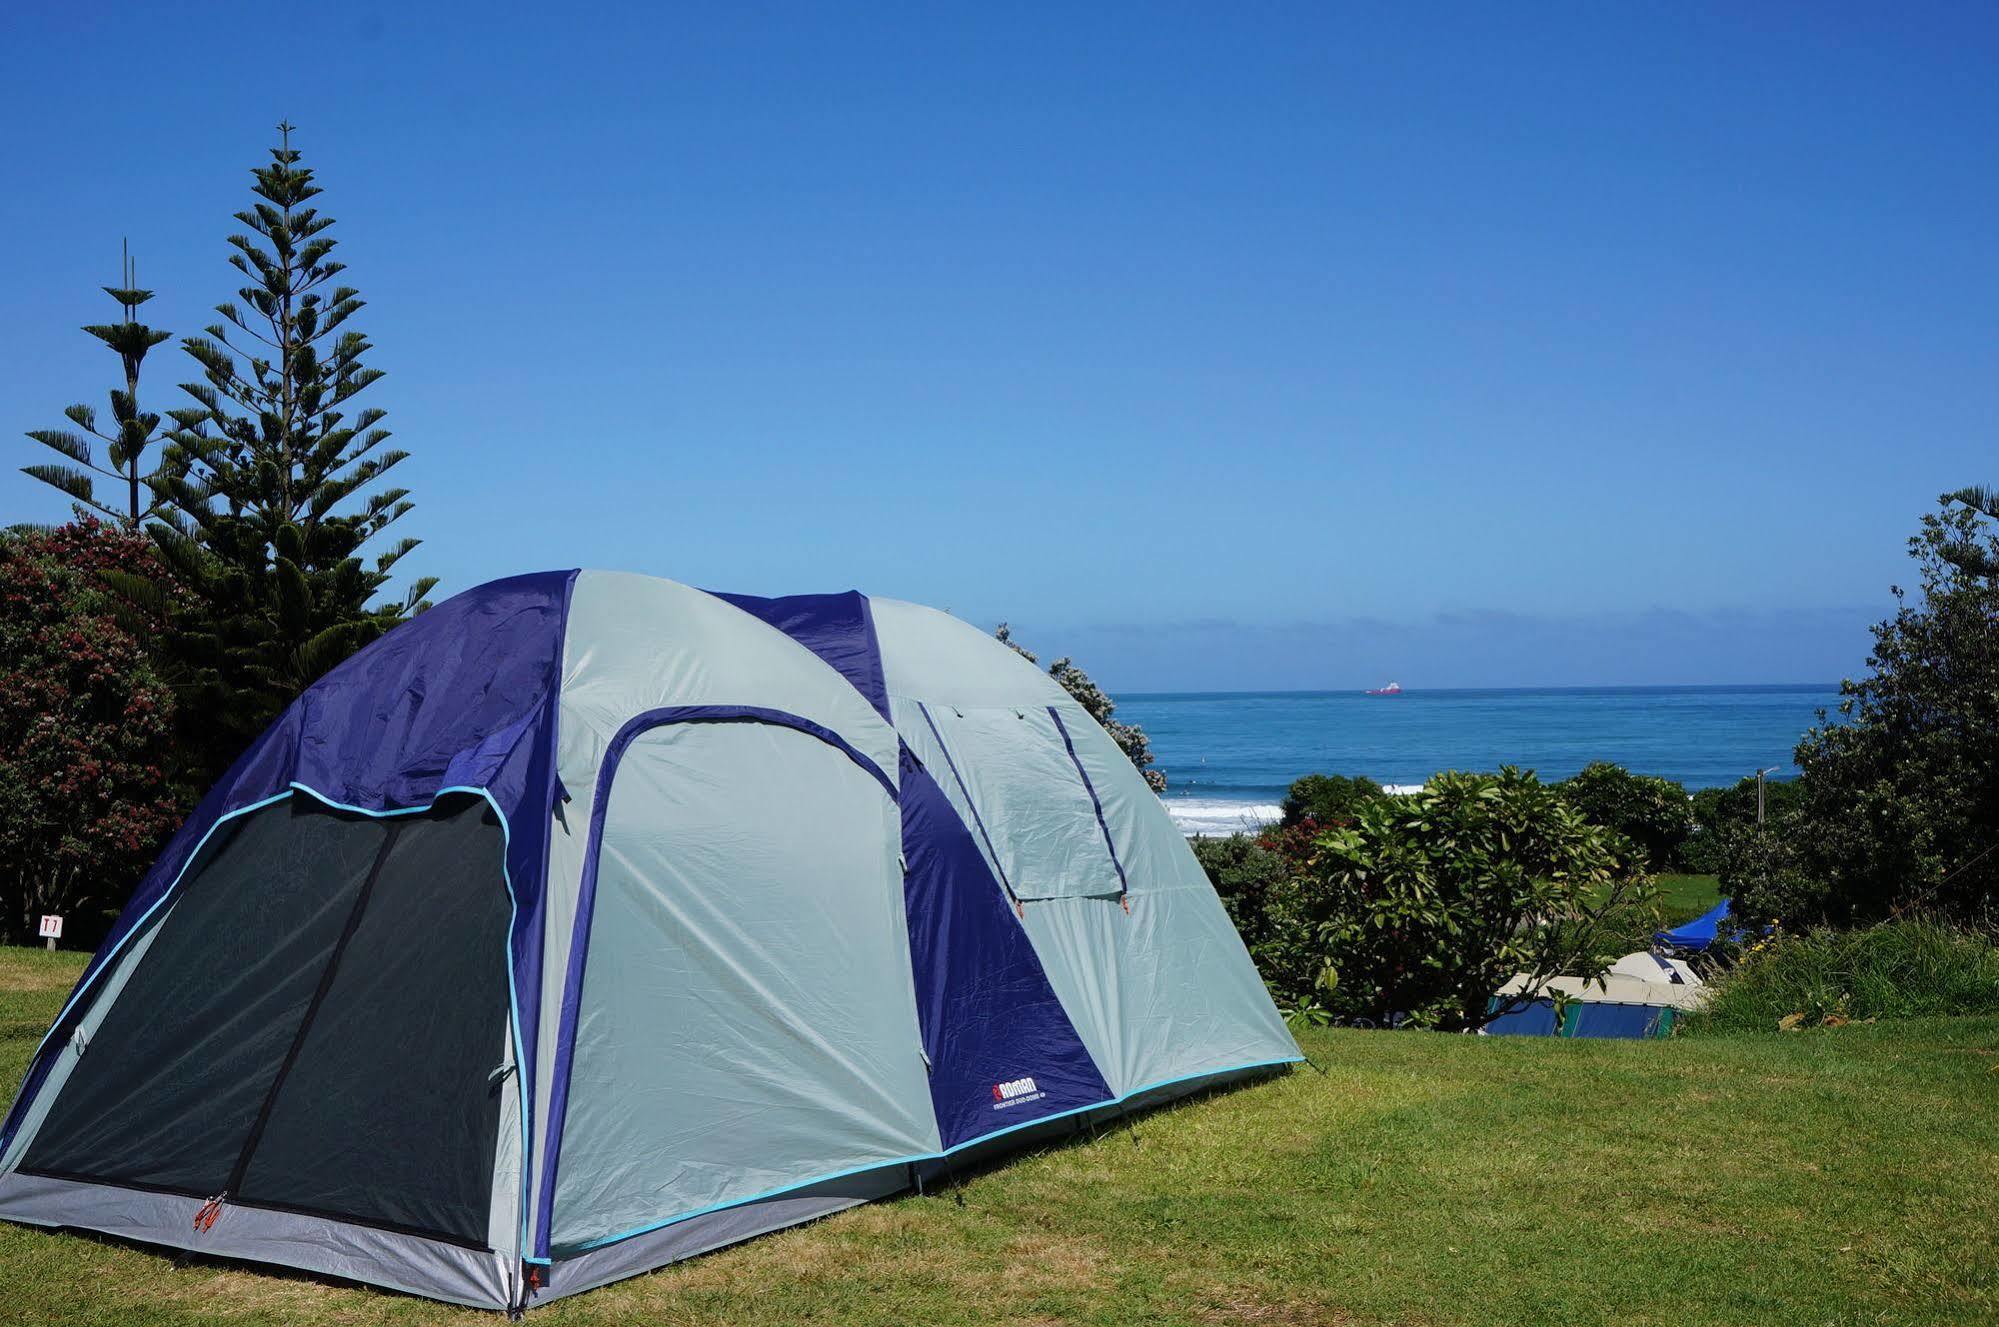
x: 1002, y: 1052
x: 836, y: 627
x: 1699, y: 933
x: 1621, y: 1020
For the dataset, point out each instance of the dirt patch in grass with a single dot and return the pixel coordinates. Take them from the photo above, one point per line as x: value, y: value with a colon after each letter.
x: 31, y: 971
x: 1049, y: 1262
x: 1255, y: 1306
x: 900, y: 1242
x: 220, y: 1294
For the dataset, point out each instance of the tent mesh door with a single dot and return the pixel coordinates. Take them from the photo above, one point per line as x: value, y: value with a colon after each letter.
x: 315, y: 1029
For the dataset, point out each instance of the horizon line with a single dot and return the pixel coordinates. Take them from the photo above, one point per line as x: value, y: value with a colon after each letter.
x: 1137, y: 694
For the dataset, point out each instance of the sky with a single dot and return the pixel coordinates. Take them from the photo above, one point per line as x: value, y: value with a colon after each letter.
x: 1224, y: 347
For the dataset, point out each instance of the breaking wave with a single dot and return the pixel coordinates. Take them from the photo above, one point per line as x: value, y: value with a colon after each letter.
x: 1200, y: 815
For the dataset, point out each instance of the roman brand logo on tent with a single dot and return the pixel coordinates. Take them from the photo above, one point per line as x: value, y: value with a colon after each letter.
x: 1015, y: 1092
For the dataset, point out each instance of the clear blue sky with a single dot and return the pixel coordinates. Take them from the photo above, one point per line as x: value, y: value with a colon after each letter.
x: 1225, y: 346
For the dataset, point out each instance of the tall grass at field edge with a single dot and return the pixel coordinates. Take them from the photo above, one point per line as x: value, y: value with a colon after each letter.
x: 1911, y: 968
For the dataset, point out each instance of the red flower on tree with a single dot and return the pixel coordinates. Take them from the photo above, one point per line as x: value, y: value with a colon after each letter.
x: 85, y: 730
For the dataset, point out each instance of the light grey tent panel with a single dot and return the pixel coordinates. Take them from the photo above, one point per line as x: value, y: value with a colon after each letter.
x: 930, y: 655
x: 636, y: 643
x: 748, y: 1024
x: 714, y: 1230
x: 1163, y: 988
x: 1016, y: 769
x: 411, y: 1263
x: 1150, y: 846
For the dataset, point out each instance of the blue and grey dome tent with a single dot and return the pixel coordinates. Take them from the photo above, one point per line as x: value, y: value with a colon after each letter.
x: 589, y: 921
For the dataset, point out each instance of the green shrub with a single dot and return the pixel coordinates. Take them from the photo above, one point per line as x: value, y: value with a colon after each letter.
x: 1245, y: 871
x: 1899, y: 969
x: 1653, y: 813
x: 1326, y: 800
x: 1720, y: 814
x: 1427, y: 904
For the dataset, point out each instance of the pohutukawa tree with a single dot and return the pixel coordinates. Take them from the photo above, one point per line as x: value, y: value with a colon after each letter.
x: 86, y: 731
x: 132, y: 430
x: 268, y: 503
x: 1892, y: 810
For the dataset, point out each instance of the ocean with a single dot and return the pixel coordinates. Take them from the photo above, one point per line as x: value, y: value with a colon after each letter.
x: 1229, y: 756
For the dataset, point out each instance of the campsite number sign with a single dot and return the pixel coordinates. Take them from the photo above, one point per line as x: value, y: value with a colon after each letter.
x: 51, y: 928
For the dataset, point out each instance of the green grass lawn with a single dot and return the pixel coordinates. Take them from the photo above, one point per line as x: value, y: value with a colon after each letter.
x: 1685, y: 897
x: 1841, y: 1176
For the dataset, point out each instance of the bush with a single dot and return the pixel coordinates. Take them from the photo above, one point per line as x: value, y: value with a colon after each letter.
x: 1721, y: 813
x: 85, y: 733
x: 1901, y: 969
x: 1246, y: 871
x: 1655, y: 814
x: 1326, y: 800
x: 1427, y: 904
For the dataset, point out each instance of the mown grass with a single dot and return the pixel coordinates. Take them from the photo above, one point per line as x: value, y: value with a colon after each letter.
x: 1836, y: 1176
x: 1685, y: 897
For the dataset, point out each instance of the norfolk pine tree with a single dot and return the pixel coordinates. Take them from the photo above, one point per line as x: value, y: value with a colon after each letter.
x: 132, y: 428
x: 265, y: 513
